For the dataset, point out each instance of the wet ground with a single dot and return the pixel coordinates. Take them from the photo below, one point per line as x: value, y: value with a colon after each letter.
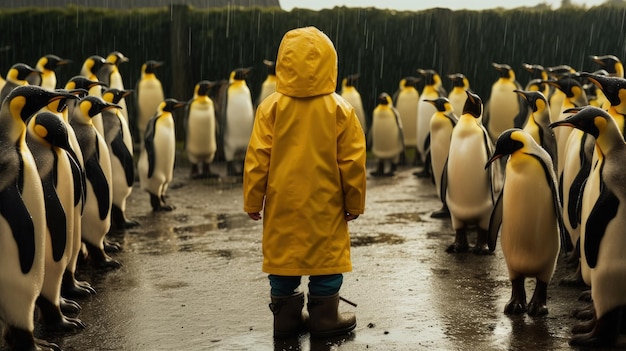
x: 191, y: 280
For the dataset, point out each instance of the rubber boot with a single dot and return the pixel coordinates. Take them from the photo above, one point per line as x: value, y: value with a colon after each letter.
x: 325, y: 319
x: 289, y: 318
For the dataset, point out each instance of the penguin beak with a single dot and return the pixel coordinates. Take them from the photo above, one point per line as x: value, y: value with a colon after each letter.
x: 492, y: 159
x: 64, y: 62
x: 111, y: 106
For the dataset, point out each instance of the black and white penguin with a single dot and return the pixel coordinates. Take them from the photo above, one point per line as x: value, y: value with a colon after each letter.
x: 352, y: 95
x: 538, y: 74
x: 91, y: 67
x: 109, y: 74
x: 405, y: 100
x: 149, y: 93
x: 269, y: 84
x: 386, y: 136
x: 505, y: 109
x: 441, y: 125
x: 200, y: 131
x: 23, y: 217
x: 458, y: 95
x: 425, y: 111
x: 47, y: 65
x: 530, y: 248
x: 237, y: 118
x: 470, y: 149
x: 556, y: 96
x: 56, y: 162
x: 17, y: 76
x: 156, y: 161
x: 605, y: 243
x: 95, y: 221
x: 120, y: 144
x: 611, y: 64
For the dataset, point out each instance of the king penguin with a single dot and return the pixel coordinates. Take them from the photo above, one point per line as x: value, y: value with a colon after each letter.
x: 441, y: 125
x: 386, y: 135
x: 96, y: 218
x: 120, y: 145
x: 469, y: 191
x: 352, y: 95
x: 56, y: 163
x: 22, y: 218
x: 605, y: 243
x: 505, y: 109
x: 538, y: 73
x: 149, y: 93
x: 17, y: 76
x: 530, y: 247
x: 269, y: 84
x: 109, y: 74
x: 156, y: 161
x: 47, y: 64
x: 611, y: 64
x: 425, y: 111
x: 405, y: 101
x: 237, y: 118
x: 457, y: 96
x: 200, y: 131
x: 91, y: 67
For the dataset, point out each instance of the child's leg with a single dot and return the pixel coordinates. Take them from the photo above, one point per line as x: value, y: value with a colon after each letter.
x: 282, y: 285
x: 325, y: 285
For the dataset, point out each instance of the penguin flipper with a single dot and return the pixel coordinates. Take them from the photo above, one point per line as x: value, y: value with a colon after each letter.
x: 603, y: 211
x: 80, y: 183
x: 100, y: 185
x: 149, y: 145
x: 55, y: 217
x: 443, y: 185
x: 520, y: 119
x: 495, y: 221
x: 14, y: 211
x: 119, y: 149
x: 577, y: 187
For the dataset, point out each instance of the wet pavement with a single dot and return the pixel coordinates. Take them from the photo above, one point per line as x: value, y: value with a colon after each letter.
x: 191, y: 280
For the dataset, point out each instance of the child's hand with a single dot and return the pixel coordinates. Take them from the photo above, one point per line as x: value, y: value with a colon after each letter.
x: 350, y: 216
x: 255, y: 215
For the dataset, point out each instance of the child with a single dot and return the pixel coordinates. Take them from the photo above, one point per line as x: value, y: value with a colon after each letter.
x: 305, y: 168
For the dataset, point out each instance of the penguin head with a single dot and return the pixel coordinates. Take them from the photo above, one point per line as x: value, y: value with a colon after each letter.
x: 51, y: 62
x: 409, y: 81
x: 115, y: 58
x: 459, y: 80
x: 611, y: 63
x: 170, y: 105
x: 24, y: 101
x: 589, y: 119
x: 430, y: 76
x: 240, y: 73
x: 51, y: 128
x: 614, y: 88
x: 271, y: 67
x: 555, y: 72
x: 535, y: 99
x: 384, y: 99
x: 473, y: 105
x: 80, y: 82
x: 536, y: 85
x: 508, y: 142
x: 351, y: 80
x: 567, y: 84
x: 537, y: 71
x: 504, y: 70
x: 114, y: 96
x: 203, y: 88
x: 442, y: 104
x: 61, y: 104
x: 93, y: 64
x: 150, y: 66
x: 19, y: 72
x: 92, y: 105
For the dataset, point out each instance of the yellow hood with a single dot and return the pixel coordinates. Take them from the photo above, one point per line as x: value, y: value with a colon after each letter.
x: 306, y: 64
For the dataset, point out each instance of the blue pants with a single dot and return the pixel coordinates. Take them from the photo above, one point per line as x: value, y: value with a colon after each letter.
x: 319, y: 285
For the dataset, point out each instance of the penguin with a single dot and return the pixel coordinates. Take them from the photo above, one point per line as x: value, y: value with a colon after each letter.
x: 110, y: 75
x: 47, y: 79
x: 530, y: 247
x: 425, y: 111
x: 468, y: 190
x: 505, y: 109
x: 350, y: 93
x: 120, y: 145
x: 386, y: 135
x: 269, y: 84
x: 91, y: 67
x: 611, y: 64
x: 457, y: 95
x: 149, y: 93
x: 56, y: 163
x: 441, y: 125
x: 605, y: 242
x: 17, y: 76
x: 156, y: 161
x: 237, y: 115
x: 538, y: 123
x: 538, y: 75
x: 405, y: 100
x: 556, y: 96
x: 22, y: 218
x: 96, y: 218
x: 200, y: 131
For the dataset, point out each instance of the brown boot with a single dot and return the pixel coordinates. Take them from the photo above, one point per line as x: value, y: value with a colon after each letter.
x: 325, y: 319
x: 289, y: 319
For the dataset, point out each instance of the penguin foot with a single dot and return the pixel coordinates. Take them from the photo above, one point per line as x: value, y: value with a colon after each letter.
x: 481, y: 249
x: 69, y: 306
x: 99, y: 258
x: 515, y: 307
x: 21, y: 339
x: 74, y: 289
x: 129, y: 223
x: 65, y: 325
x: 604, y: 333
x: 575, y: 279
x: 119, y: 220
x: 585, y: 296
x: 425, y: 173
x: 46, y: 346
x: 164, y: 208
x: 584, y: 327
x: 443, y: 212
x: 111, y: 246
x: 537, y: 309
x: 376, y: 173
x: 53, y: 319
x: 517, y: 303
x: 108, y: 264
x: 458, y: 248
x: 585, y: 313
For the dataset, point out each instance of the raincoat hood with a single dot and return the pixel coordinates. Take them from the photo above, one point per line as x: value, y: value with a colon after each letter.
x: 306, y: 64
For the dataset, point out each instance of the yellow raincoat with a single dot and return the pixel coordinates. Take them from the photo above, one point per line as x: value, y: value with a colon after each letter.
x: 305, y: 163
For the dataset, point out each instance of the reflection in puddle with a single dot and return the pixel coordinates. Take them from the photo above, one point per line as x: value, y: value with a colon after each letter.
x: 382, y: 238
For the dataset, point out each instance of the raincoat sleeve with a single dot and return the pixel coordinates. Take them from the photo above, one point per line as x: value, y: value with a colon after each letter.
x: 351, y: 157
x: 257, y: 162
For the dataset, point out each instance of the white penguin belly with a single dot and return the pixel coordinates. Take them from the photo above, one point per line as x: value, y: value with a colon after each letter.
x: 386, y: 137
x: 407, y: 109
x: 201, y: 144
x: 571, y: 167
x: 240, y: 119
x: 92, y: 227
x: 503, y: 107
x: 440, y: 134
x: 165, y: 153
x: 354, y: 98
x: 149, y: 97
